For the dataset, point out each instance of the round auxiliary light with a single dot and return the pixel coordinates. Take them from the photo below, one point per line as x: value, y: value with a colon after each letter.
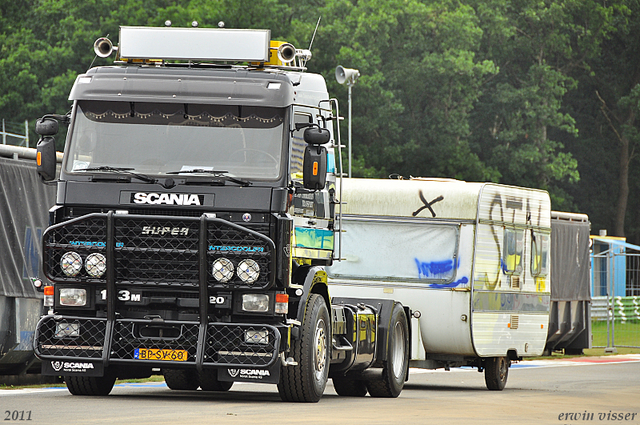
x: 71, y: 263
x: 248, y: 271
x: 95, y: 265
x: 222, y: 270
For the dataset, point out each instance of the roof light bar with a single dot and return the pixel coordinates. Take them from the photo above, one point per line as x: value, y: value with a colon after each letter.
x: 207, y: 44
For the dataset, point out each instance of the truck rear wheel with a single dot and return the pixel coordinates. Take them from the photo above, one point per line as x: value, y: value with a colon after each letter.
x: 496, y: 371
x: 395, y: 368
x: 306, y: 381
x: 181, y: 379
x: 349, y: 387
x: 208, y: 379
x: 90, y: 385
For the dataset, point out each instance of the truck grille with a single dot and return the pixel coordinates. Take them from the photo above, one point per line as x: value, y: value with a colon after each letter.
x: 80, y: 338
x: 226, y: 344
x: 158, y: 250
x: 128, y: 336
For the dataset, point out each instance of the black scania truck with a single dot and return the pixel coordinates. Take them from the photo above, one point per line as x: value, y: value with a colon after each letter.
x: 196, y: 210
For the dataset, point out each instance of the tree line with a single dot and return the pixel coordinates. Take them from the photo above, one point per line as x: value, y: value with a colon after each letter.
x: 532, y: 93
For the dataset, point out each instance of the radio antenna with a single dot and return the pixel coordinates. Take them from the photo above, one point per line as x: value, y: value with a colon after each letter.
x: 314, y: 32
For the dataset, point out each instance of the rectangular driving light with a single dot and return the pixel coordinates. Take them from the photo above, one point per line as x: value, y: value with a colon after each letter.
x: 67, y: 330
x: 256, y: 337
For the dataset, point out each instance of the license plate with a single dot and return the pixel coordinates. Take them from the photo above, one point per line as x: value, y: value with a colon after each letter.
x: 160, y: 354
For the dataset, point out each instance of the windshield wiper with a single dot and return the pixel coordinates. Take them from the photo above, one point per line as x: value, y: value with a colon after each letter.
x: 121, y: 170
x: 216, y: 173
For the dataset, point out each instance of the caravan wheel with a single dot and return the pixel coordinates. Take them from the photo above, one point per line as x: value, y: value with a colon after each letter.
x: 496, y: 372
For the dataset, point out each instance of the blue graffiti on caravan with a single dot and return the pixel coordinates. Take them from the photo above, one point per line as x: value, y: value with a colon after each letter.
x: 436, y: 269
x: 441, y: 270
x: 461, y: 281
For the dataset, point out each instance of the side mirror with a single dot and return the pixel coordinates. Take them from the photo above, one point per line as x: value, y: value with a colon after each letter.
x: 46, y: 127
x: 316, y: 135
x: 46, y: 157
x: 314, y: 169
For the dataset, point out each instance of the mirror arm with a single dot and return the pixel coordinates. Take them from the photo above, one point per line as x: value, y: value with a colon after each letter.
x: 64, y: 119
x: 301, y: 125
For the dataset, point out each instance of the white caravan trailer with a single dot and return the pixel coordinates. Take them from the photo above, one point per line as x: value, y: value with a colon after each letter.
x: 470, y: 261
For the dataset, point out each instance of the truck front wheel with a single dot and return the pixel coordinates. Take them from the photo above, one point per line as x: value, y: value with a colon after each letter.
x: 181, y: 379
x: 208, y: 379
x: 349, y: 387
x: 90, y: 385
x: 306, y: 381
x: 496, y: 371
x: 395, y: 368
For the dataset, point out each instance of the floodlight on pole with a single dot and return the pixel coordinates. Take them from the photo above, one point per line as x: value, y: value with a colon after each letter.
x: 348, y: 76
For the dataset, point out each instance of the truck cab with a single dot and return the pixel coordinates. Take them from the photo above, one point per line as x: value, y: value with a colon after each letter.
x: 195, y: 214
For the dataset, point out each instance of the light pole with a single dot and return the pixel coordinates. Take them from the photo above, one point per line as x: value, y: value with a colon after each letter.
x: 348, y: 76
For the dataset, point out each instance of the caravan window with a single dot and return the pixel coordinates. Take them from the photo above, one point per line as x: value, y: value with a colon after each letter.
x: 512, y: 251
x: 397, y: 250
x: 539, y: 254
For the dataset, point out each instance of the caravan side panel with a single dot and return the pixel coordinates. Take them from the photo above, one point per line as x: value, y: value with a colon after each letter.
x: 400, y: 260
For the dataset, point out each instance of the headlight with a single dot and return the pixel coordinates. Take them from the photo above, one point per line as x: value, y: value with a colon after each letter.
x: 255, y: 303
x: 248, y: 271
x: 73, y: 297
x: 95, y: 265
x: 222, y: 270
x: 71, y: 263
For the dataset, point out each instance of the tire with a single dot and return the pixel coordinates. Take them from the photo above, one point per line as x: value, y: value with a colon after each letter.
x: 349, y: 387
x: 306, y: 381
x: 181, y: 379
x: 90, y: 385
x: 209, y: 381
x: 496, y: 372
x: 395, y: 368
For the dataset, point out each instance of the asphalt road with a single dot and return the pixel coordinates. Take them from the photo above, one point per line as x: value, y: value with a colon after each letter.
x: 541, y: 392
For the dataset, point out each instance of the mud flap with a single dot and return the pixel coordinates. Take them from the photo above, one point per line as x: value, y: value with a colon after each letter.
x: 270, y: 375
x: 72, y: 367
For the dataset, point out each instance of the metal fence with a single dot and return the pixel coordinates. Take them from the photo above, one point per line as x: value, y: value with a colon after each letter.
x: 16, y: 134
x: 615, y: 306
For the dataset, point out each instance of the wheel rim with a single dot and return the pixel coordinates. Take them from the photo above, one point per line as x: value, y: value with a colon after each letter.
x: 397, y: 354
x: 320, y: 352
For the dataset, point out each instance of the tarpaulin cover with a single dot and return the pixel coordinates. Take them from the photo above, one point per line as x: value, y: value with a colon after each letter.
x: 24, y: 214
x: 570, y: 260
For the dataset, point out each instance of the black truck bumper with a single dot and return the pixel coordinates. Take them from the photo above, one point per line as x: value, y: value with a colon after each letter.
x: 71, y: 345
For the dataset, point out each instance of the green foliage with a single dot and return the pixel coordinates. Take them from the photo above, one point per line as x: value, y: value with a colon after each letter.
x: 538, y: 93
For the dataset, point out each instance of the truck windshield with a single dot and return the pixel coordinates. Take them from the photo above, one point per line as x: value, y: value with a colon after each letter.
x: 159, y: 138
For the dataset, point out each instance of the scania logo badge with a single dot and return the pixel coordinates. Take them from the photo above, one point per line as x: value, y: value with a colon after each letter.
x: 233, y: 372
x: 57, y: 366
x: 167, y: 198
x: 246, y: 217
